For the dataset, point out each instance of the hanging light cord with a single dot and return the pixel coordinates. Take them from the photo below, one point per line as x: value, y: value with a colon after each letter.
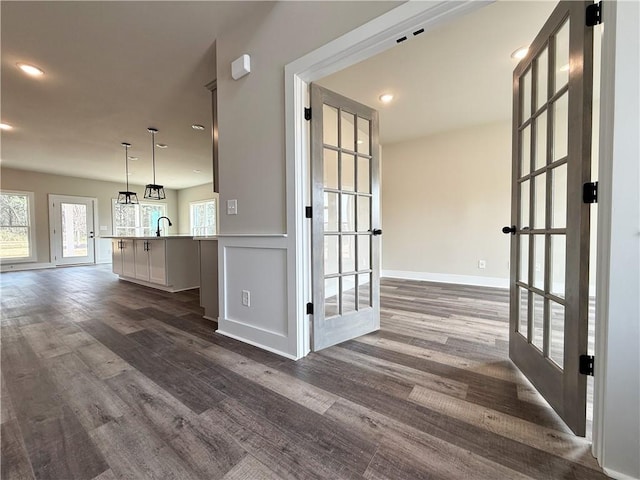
x: 126, y: 163
x: 153, y: 154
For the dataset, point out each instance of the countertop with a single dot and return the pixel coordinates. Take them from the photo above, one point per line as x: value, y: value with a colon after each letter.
x: 162, y: 237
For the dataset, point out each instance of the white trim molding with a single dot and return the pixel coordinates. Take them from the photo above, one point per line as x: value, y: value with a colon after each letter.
x: 17, y: 267
x: 493, y: 282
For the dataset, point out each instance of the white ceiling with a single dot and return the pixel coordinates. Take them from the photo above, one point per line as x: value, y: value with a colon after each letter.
x: 112, y: 69
x: 457, y: 75
x: 115, y: 68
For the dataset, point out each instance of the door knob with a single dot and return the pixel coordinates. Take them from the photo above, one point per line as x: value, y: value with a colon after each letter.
x: 376, y: 231
x: 509, y: 230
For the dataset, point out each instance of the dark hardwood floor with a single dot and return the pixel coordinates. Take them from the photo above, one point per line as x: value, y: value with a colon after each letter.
x: 105, y: 379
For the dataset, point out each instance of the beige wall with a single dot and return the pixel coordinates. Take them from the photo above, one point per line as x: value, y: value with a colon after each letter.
x: 188, y: 195
x: 251, y: 110
x: 42, y: 184
x: 445, y: 199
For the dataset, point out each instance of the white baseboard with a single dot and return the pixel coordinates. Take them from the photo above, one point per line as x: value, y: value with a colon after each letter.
x: 17, y: 267
x: 256, y: 344
x: 494, y: 282
x: 618, y: 475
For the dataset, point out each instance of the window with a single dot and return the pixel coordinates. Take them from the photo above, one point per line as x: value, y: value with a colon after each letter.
x: 203, y: 217
x: 17, y: 239
x: 139, y: 220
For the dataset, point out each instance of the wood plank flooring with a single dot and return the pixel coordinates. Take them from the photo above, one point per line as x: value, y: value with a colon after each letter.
x: 103, y: 379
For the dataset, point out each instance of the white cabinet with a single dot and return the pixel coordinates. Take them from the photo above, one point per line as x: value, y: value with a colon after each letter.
x: 150, y: 261
x: 116, y: 256
x: 168, y: 263
x: 122, y: 256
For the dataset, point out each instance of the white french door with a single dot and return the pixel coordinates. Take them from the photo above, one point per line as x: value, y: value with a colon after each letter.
x: 346, y: 218
x: 72, y: 229
x: 552, y: 97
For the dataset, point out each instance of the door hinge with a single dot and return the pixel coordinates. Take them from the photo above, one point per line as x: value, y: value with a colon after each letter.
x: 307, y: 114
x: 586, y: 365
x: 594, y: 14
x: 590, y: 192
x: 308, y: 212
x: 309, y: 308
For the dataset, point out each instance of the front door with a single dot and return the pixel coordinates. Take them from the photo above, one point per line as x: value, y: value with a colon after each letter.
x: 72, y: 229
x: 552, y: 95
x: 346, y: 218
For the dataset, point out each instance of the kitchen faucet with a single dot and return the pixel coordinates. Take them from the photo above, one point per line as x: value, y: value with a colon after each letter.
x: 158, y: 230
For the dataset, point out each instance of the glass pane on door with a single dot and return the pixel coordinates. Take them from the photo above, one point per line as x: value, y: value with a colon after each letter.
x: 560, y: 127
x: 562, y: 57
x: 559, y: 196
x: 541, y: 140
x: 74, y: 230
x: 364, y: 126
x: 538, y: 321
x: 541, y: 80
x: 348, y: 294
x: 523, y: 312
x: 330, y: 168
x: 364, y: 291
x: 331, y: 293
x: 556, y: 333
x: 347, y: 131
x: 348, y: 169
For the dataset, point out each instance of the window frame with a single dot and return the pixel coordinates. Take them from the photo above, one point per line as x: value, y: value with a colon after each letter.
x: 215, y: 223
x: 31, y: 214
x: 138, y: 228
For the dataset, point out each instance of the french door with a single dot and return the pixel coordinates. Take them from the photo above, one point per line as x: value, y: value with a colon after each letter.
x: 71, y: 221
x: 346, y: 218
x: 552, y: 95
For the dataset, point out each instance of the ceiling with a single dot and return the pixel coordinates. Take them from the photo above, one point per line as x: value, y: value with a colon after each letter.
x: 112, y: 69
x: 454, y: 76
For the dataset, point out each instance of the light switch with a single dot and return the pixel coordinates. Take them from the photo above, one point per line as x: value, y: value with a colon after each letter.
x: 232, y: 207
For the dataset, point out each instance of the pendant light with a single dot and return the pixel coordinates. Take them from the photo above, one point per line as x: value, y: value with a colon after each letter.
x: 153, y: 191
x: 127, y: 197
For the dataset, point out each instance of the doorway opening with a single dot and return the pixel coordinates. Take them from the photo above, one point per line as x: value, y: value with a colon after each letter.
x: 354, y: 80
x: 72, y: 229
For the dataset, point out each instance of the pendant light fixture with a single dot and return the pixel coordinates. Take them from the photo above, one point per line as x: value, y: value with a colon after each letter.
x: 127, y: 197
x: 153, y: 191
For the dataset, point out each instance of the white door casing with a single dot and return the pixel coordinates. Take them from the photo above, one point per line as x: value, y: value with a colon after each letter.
x: 72, y: 226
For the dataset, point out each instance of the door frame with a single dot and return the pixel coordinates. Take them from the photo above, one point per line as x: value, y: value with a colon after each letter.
x: 375, y: 37
x: 54, y: 243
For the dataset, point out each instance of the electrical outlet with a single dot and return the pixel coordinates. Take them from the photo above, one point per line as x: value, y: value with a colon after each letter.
x: 482, y: 264
x: 246, y: 298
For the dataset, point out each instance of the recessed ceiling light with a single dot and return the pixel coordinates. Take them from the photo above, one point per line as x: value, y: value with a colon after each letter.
x: 30, y: 69
x: 386, y: 97
x: 161, y: 145
x: 520, y: 53
x: 132, y: 158
x: 197, y: 171
x: 5, y: 126
x: 197, y: 126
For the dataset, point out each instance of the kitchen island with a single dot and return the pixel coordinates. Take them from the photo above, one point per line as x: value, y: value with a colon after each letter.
x: 170, y: 263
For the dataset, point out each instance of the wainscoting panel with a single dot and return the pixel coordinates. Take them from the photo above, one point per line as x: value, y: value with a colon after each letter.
x: 257, y: 266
